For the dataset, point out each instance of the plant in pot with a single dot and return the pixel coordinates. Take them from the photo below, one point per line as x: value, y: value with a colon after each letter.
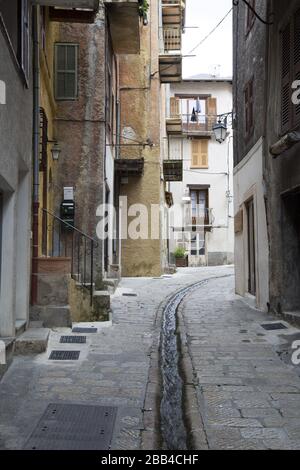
x: 180, y: 257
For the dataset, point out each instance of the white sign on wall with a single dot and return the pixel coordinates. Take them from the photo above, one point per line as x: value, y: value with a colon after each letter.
x: 2, y: 92
x: 2, y: 353
x: 68, y: 193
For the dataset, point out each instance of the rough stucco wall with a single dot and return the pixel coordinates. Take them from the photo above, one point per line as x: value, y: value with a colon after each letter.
x: 282, y: 174
x: 248, y: 61
x: 140, y: 116
x: 81, y: 129
x: 15, y: 183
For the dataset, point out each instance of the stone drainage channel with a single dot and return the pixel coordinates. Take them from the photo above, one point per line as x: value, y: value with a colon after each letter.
x: 173, y: 427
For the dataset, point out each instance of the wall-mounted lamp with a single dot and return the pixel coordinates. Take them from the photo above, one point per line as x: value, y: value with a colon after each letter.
x: 220, y: 128
x: 55, y: 150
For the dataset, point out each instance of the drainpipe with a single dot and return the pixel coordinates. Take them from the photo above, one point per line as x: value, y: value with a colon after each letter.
x: 36, y: 136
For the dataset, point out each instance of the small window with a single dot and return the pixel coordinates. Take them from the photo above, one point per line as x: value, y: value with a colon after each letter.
x: 248, y: 96
x: 66, y: 71
x: 24, y: 39
x: 250, y: 16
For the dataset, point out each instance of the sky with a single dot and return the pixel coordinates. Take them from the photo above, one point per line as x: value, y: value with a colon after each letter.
x: 216, y: 50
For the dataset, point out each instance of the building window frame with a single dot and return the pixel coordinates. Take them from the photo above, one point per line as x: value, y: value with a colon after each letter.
x: 289, y: 72
x: 249, y: 108
x: 74, y: 71
x: 250, y: 17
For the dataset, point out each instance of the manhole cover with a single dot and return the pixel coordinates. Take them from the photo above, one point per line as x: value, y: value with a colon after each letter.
x: 73, y: 427
x: 64, y: 355
x: 78, y: 329
x: 73, y: 339
x: 274, y: 326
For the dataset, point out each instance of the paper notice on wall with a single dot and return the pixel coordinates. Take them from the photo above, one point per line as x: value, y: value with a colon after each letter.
x: 2, y: 353
x: 2, y: 92
x: 68, y: 193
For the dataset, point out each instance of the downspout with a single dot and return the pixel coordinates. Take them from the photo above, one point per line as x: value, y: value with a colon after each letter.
x: 36, y: 136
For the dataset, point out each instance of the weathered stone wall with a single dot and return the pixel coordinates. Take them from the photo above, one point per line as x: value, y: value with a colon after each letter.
x: 140, y: 120
x: 81, y: 129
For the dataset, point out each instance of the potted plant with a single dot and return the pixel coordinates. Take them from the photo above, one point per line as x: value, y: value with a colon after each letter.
x: 181, y: 257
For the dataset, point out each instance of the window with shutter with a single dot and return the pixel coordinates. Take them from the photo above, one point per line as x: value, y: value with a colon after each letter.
x: 296, y: 62
x: 211, y: 105
x: 286, y: 78
x: 250, y: 18
x: 290, y: 71
x: 66, y: 71
x: 199, y: 153
x: 249, y: 117
x: 24, y: 42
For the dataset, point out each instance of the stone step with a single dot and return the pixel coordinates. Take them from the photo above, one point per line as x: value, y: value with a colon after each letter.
x: 20, y: 326
x: 9, y: 350
x: 32, y: 341
x: 111, y: 284
x: 51, y: 316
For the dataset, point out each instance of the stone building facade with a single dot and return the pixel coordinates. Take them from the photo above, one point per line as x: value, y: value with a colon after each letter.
x: 266, y: 164
x: 15, y: 164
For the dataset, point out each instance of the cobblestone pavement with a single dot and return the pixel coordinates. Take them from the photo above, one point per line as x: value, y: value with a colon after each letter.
x: 248, y: 397
x: 112, y: 369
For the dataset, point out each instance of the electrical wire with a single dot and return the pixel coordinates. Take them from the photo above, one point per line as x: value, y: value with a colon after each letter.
x: 211, y: 32
x: 267, y: 23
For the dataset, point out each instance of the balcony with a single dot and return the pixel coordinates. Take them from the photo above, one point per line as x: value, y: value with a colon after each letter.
x: 173, y: 13
x: 82, y: 4
x: 191, y: 125
x: 170, y: 68
x: 71, y: 11
x: 124, y: 22
x: 129, y: 166
x: 173, y: 170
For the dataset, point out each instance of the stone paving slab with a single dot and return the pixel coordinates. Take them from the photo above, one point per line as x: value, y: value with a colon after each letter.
x: 248, y: 397
x: 113, y: 367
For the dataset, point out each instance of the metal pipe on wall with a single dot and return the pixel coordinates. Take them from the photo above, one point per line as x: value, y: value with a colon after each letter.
x: 36, y: 137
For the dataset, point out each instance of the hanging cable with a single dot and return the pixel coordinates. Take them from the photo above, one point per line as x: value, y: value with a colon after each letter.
x: 268, y: 23
x: 211, y: 32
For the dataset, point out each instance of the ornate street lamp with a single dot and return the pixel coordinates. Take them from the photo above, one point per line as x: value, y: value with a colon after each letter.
x: 55, y: 150
x: 221, y: 127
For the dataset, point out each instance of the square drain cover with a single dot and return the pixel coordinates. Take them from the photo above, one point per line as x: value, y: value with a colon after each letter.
x: 78, y: 329
x: 64, y: 355
x: 73, y: 427
x: 274, y: 326
x: 73, y: 339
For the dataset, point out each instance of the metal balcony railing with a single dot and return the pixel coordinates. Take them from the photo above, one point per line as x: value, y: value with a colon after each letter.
x: 171, y: 39
x: 67, y: 241
x: 195, y: 123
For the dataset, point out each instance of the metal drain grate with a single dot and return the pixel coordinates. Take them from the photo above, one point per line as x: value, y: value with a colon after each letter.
x: 64, y: 355
x: 129, y: 295
x: 78, y: 329
x: 73, y: 427
x: 274, y: 326
x: 73, y: 339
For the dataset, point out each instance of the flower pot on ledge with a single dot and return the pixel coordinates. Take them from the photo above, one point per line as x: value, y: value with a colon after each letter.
x: 182, y: 262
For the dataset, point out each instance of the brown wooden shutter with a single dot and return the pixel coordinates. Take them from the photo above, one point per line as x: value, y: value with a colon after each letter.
x: 174, y: 107
x: 195, y: 152
x: 200, y: 153
x: 286, y: 114
x: 296, y: 63
x: 211, y: 104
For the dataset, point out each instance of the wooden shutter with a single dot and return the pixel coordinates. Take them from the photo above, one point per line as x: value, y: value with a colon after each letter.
x: 211, y: 105
x: 296, y: 62
x: 199, y: 153
x: 66, y: 62
x: 286, y: 79
x: 174, y: 107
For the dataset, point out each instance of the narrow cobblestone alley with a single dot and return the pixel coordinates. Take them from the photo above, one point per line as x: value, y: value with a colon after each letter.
x: 247, y: 397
